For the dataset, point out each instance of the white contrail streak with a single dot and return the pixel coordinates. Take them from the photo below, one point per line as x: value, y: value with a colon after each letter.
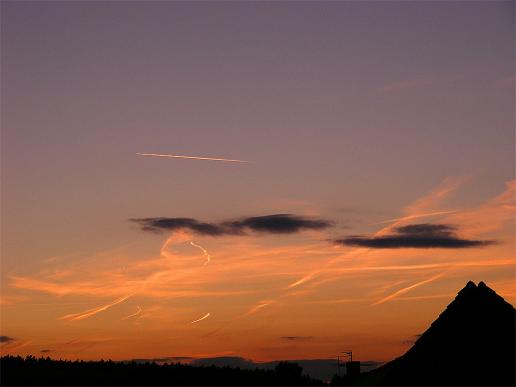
x: 204, y: 251
x: 134, y: 314
x: 94, y: 311
x: 202, y: 318
x: 191, y: 157
x: 260, y: 305
x: 407, y: 289
x: 409, y: 217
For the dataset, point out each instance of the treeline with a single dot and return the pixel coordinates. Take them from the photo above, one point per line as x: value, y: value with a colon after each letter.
x: 19, y: 371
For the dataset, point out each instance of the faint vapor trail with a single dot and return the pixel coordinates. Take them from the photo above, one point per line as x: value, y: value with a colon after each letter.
x: 302, y: 280
x: 94, y: 311
x: 204, y: 251
x: 409, y: 217
x: 261, y: 304
x: 191, y: 157
x: 202, y: 318
x: 408, y: 288
x: 134, y: 314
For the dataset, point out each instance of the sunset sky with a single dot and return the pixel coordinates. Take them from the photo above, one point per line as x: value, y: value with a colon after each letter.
x: 378, y: 140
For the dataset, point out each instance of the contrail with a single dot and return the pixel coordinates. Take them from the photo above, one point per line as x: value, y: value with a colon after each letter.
x: 191, y: 157
x: 134, y: 314
x: 408, y: 217
x: 380, y: 232
x: 94, y: 311
x: 261, y: 304
x: 302, y: 280
x: 206, y: 254
x: 408, y: 288
x: 202, y: 318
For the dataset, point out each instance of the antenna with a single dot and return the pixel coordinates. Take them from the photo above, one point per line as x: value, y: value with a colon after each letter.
x: 347, y: 353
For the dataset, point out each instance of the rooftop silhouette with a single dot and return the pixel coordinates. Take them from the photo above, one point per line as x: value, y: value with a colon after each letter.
x: 472, y: 342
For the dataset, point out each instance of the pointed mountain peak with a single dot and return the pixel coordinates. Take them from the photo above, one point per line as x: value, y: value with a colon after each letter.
x: 472, y: 293
x: 467, y: 290
x: 471, y: 285
x: 478, y: 321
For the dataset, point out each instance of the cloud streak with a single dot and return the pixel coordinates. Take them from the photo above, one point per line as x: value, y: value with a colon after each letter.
x: 419, y: 236
x: 191, y: 157
x: 200, y: 319
x: 91, y: 312
x: 204, y: 251
x: 138, y: 311
x: 407, y: 289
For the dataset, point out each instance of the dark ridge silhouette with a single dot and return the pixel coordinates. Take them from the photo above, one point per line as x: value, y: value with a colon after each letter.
x: 30, y: 371
x: 320, y: 369
x: 471, y: 343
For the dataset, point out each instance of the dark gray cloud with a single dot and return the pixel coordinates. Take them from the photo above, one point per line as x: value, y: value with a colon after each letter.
x: 171, y: 224
x: 421, y: 236
x: 46, y: 350
x: 6, y: 339
x: 278, y: 224
x: 272, y: 224
x: 296, y: 338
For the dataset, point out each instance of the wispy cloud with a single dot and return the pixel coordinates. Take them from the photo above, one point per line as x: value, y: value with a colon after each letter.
x: 407, y: 289
x: 416, y: 216
x: 204, y: 251
x: 202, y: 318
x: 91, y: 312
x: 260, y: 305
x: 137, y: 313
x: 174, y: 281
x: 428, y: 203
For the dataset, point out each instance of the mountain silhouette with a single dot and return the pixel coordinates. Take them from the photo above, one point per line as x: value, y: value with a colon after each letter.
x: 472, y: 342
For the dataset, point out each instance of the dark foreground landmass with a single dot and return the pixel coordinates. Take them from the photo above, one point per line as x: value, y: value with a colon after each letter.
x: 18, y: 371
x: 472, y: 343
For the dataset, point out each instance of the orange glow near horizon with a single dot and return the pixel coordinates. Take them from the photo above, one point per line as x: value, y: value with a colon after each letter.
x: 260, y: 289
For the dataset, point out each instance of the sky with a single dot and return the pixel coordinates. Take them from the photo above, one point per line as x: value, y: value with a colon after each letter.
x: 378, y: 140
